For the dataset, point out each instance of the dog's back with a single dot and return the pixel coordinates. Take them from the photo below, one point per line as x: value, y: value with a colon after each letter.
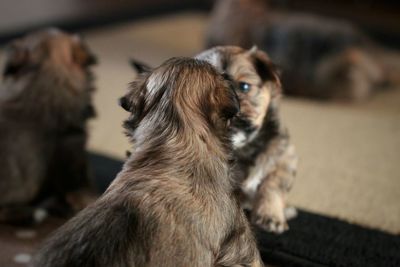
x: 132, y: 229
x: 172, y: 204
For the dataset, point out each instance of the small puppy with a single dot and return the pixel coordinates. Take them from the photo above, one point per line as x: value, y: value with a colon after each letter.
x: 265, y: 160
x: 172, y: 204
x: 320, y: 57
x: 45, y: 102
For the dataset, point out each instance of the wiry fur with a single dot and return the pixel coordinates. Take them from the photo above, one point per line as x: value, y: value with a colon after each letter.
x: 265, y: 160
x: 172, y: 204
x: 320, y: 57
x: 45, y: 102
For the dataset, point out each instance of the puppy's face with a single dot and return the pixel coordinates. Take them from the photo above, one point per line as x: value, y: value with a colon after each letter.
x: 182, y: 93
x: 257, y: 85
x: 58, y: 55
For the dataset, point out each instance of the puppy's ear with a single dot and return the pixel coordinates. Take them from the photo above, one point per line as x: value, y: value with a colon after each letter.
x: 125, y: 103
x: 134, y: 100
x: 18, y: 59
x: 139, y: 67
x: 264, y: 67
x: 81, y: 55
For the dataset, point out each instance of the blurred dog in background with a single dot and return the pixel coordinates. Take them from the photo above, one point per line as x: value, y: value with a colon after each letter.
x: 265, y: 160
x: 172, y: 204
x: 320, y: 57
x: 45, y: 102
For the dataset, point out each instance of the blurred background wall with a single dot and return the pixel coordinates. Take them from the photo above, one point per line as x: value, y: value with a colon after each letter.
x: 20, y: 16
x: 381, y: 18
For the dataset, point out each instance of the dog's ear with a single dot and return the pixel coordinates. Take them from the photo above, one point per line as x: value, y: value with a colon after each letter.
x: 81, y: 54
x: 134, y: 100
x: 18, y: 58
x: 265, y: 68
x: 125, y: 102
x: 139, y: 67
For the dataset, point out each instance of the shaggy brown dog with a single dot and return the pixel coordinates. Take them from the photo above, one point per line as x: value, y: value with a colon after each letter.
x: 172, y: 204
x: 320, y: 57
x: 266, y: 161
x: 45, y: 102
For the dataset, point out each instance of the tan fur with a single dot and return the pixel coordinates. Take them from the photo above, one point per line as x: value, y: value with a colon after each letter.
x: 266, y: 161
x: 256, y: 102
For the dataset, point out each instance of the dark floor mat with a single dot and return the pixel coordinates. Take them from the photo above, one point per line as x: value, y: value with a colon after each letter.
x: 315, y: 240
x: 104, y: 169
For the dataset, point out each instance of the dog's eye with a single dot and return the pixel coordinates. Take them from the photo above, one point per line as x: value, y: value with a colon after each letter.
x: 244, y: 87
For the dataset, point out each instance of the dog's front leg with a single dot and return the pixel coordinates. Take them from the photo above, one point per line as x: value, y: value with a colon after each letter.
x: 269, y: 206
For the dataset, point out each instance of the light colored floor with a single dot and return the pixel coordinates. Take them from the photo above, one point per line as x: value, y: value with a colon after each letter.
x: 349, y: 161
x: 349, y: 154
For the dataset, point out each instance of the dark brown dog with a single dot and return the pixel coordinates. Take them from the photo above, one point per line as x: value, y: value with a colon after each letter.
x: 45, y: 102
x: 266, y: 161
x: 319, y: 57
x: 172, y: 204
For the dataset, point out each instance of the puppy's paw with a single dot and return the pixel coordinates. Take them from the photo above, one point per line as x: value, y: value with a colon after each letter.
x: 290, y: 213
x: 270, y: 223
x: 270, y: 215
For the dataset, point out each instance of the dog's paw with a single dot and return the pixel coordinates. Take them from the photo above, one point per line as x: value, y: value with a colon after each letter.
x: 270, y: 215
x: 271, y: 224
x: 290, y: 213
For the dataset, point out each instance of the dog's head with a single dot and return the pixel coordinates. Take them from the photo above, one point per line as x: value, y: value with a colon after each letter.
x: 47, y: 77
x: 53, y: 54
x: 257, y: 84
x: 182, y: 93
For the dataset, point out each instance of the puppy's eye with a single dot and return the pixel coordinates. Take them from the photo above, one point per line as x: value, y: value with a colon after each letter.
x: 244, y: 87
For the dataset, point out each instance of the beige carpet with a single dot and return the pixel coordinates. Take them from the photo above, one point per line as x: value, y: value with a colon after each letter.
x: 349, y: 154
